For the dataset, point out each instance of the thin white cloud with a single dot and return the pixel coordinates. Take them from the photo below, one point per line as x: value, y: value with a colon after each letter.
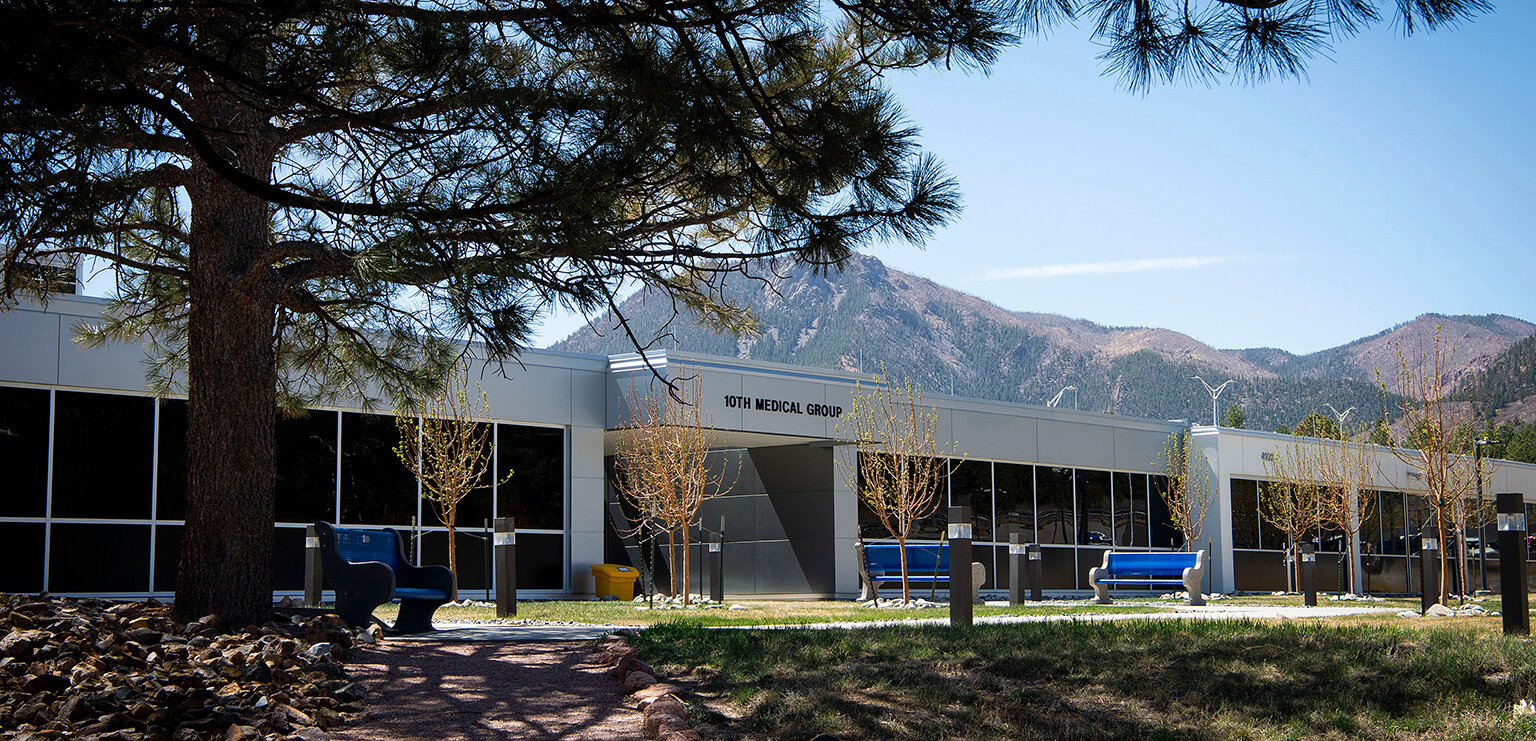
x: 1105, y: 268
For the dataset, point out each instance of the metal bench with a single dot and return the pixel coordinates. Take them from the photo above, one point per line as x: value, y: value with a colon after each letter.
x: 1146, y: 569
x: 368, y: 568
x: 927, y: 564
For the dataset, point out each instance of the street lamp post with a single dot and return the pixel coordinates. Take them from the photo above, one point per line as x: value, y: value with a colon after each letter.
x: 1057, y: 398
x: 1482, y: 545
x: 1215, y: 392
x: 1341, y: 415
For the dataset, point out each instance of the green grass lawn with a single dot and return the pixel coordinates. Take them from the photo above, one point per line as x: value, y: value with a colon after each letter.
x: 1419, y: 679
x: 765, y: 612
x: 793, y: 612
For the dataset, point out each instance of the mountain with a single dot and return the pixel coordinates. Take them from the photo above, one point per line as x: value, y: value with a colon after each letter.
x: 952, y: 342
x: 1477, y: 341
x: 1506, y: 387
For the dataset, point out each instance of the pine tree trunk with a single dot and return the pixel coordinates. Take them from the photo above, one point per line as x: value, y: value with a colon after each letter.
x: 226, y: 553
x: 226, y: 550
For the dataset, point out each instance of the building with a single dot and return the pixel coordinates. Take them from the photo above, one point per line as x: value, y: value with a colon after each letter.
x: 93, y: 492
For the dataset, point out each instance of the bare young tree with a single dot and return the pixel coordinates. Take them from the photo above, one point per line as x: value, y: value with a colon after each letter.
x: 1344, y: 473
x: 1188, y: 493
x: 1424, y: 384
x: 447, y: 449
x: 900, y: 467
x: 1292, y: 500
x: 664, y: 466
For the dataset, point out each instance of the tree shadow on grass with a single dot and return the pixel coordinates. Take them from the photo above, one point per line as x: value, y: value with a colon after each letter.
x: 1108, y: 681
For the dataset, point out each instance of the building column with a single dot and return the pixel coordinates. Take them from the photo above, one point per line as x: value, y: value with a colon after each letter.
x: 584, y: 530
x: 845, y: 523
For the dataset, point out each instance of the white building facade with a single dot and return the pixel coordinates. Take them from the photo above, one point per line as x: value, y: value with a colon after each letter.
x: 93, y: 502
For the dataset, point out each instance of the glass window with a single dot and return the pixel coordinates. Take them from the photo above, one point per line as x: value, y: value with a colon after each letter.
x: 21, y: 550
x: 376, y: 488
x: 24, y: 452
x: 474, y: 553
x: 540, y: 561
x: 1124, y: 497
x: 1394, y: 523
x: 306, y: 468
x: 99, y: 558
x: 1095, y: 511
x: 1140, y: 520
x: 970, y: 485
x: 1245, y: 513
x: 102, y: 454
x: 1418, y: 517
x: 1015, y: 496
x: 171, y: 463
x: 1053, y: 497
x: 1370, y: 526
x: 535, y: 494
x: 1271, y: 537
x: 1164, y: 534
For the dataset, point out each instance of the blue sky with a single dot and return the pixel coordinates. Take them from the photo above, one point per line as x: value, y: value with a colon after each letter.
x: 1396, y: 181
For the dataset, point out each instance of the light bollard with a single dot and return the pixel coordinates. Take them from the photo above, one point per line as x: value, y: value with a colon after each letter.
x: 717, y: 576
x: 504, y: 544
x: 313, y: 571
x: 960, y: 566
x: 1513, y: 587
x: 1036, y: 572
x: 1016, y: 564
x: 1429, y: 570
x: 1309, y: 574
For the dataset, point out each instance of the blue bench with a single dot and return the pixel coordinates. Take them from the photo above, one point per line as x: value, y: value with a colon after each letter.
x: 1149, y: 569
x: 368, y: 568
x: 927, y: 564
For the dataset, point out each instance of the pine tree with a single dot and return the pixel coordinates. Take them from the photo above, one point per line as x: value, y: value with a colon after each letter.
x: 297, y: 195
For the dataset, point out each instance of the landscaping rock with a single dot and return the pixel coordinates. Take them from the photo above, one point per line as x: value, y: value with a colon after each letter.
x: 660, y: 723
x: 94, y: 669
x: 650, y: 694
x: 636, y: 681
x: 683, y: 735
x: 1439, y: 610
x: 629, y: 663
x: 665, y: 704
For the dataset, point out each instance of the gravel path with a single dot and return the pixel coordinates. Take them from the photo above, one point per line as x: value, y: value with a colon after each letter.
x: 473, y: 691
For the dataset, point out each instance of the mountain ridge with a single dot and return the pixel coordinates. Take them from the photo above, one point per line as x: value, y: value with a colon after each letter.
x: 951, y: 341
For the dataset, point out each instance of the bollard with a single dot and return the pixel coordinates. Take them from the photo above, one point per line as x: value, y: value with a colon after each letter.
x: 313, y: 571
x: 717, y: 576
x: 1036, y: 572
x: 1513, y: 587
x: 960, y: 566
x: 504, y: 541
x: 1309, y: 574
x: 1429, y: 571
x: 1016, y: 561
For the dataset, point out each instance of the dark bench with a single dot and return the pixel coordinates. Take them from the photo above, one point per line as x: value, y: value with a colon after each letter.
x: 368, y: 568
x: 927, y: 564
x: 1149, y: 569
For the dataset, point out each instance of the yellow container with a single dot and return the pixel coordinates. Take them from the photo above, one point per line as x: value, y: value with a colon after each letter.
x: 615, y: 580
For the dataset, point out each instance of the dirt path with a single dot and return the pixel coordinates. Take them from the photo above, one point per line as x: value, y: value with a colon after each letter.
x: 472, y: 691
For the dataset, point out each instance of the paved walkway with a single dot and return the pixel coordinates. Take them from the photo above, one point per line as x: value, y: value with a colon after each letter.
x: 419, y: 690
x: 497, y: 632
